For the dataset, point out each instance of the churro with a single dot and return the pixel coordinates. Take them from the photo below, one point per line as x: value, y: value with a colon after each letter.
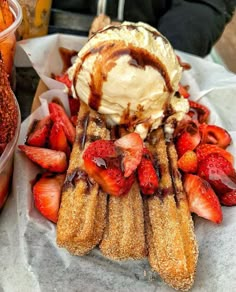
x: 82, y: 212
x: 171, y: 241
x: 124, y: 236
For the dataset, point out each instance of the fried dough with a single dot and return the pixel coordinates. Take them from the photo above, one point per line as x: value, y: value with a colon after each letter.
x: 124, y: 236
x: 82, y: 214
x: 171, y: 241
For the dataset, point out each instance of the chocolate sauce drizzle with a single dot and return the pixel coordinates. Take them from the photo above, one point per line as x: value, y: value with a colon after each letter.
x: 109, y: 52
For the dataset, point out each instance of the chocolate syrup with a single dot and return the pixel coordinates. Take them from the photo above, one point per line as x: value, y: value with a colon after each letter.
x: 66, y: 56
x: 108, y: 54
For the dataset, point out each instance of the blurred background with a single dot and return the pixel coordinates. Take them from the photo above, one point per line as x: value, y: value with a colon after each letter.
x: 224, y: 51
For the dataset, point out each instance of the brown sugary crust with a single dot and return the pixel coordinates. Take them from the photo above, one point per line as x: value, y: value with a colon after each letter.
x: 172, y: 246
x: 129, y: 227
x: 124, y: 236
x: 8, y: 109
x: 82, y: 212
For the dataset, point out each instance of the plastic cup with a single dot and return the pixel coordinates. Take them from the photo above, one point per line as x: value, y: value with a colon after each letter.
x: 36, y: 16
x: 8, y: 37
x: 6, y: 161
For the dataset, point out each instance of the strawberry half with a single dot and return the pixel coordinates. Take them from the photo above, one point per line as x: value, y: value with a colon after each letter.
x: 59, y: 115
x: 147, y: 177
x: 202, y: 199
x: 64, y: 78
x: 202, y: 111
x: 211, y: 134
x: 103, y: 163
x: 58, y: 140
x: 228, y: 199
x: 188, y: 162
x: 49, y: 159
x: 40, y: 132
x: 47, y: 195
x: 205, y: 149
x: 188, y: 139
x: 219, y: 172
x: 132, y: 149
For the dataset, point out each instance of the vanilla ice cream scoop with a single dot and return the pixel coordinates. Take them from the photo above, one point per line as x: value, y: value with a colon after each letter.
x: 129, y: 73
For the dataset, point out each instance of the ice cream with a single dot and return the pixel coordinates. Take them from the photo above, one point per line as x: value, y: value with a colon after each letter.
x: 129, y: 73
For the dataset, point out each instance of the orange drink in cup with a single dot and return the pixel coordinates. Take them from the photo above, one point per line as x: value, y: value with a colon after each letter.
x: 36, y: 16
x: 10, y: 19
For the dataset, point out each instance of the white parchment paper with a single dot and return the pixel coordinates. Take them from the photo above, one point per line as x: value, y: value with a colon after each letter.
x: 29, y: 257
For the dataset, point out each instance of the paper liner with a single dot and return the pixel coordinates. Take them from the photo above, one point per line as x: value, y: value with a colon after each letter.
x: 30, y: 259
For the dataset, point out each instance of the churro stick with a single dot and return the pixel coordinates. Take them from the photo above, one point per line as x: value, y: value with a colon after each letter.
x: 82, y: 212
x: 170, y: 235
x: 124, y: 236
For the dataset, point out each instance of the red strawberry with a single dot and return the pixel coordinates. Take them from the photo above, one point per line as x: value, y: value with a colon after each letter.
x: 229, y: 199
x: 4, y: 186
x: 188, y: 162
x: 58, y: 140
x: 102, y: 162
x: 183, y: 91
x: 219, y: 172
x: 188, y: 139
x: 147, y: 177
x: 204, y: 149
x: 202, y: 111
x: 39, y: 134
x: 132, y: 148
x: 74, y: 104
x: 64, y: 78
x: 49, y: 159
x: 59, y: 115
x: 74, y: 120
x: 211, y: 134
x: 47, y: 195
x: 202, y: 199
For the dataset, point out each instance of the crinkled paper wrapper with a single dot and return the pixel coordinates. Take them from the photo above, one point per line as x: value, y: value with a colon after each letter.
x: 29, y: 257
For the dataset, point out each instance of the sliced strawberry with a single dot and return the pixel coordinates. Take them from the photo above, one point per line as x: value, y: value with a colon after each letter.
x: 4, y: 186
x: 211, y: 134
x: 47, y: 195
x: 202, y: 111
x: 49, y: 159
x: 102, y: 162
x: 188, y: 139
x: 219, y: 172
x: 74, y: 120
x: 183, y: 91
x: 59, y: 115
x: 188, y: 162
x: 202, y: 199
x: 58, y: 140
x: 132, y: 149
x: 147, y: 177
x: 228, y: 199
x: 205, y: 149
x: 64, y: 78
x: 40, y: 132
x: 74, y: 104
